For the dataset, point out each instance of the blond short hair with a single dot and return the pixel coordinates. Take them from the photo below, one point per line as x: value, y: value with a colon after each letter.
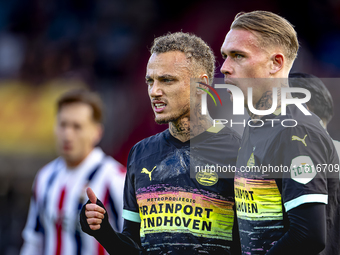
x: 271, y: 29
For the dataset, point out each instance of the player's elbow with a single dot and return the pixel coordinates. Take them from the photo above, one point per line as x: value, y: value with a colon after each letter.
x: 308, y: 227
x: 313, y: 242
x: 308, y: 240
x: 317, y: 243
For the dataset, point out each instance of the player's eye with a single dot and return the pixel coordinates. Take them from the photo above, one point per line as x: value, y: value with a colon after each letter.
x: 62, y: 124
x: 149, y: 82
x: 168, y: 80
x: 77, y: 126
x: 238, y: 56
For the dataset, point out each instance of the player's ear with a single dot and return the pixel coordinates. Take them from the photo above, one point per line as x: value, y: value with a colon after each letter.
x: 98, y: 134
x: 277, y: 62
x: 203, y: 79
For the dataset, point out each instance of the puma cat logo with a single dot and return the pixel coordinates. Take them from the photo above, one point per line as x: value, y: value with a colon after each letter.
x: 296, y: 138
x: 146, y: 171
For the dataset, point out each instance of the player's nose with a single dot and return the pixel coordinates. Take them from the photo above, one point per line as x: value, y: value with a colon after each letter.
x: 155, y: 90
x: 226, y: 67
x: 67, y: 134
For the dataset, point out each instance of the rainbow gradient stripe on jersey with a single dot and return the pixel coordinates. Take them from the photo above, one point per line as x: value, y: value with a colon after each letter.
x: 184, y: 211
x: 257, y: 199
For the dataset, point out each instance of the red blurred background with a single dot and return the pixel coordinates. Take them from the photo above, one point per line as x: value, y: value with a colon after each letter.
x: 48, y: 47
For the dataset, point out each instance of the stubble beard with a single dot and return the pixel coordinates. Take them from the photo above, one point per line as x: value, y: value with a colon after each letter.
x: 174, y: 117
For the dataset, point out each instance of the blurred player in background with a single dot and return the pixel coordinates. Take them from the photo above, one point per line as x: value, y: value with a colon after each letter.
x: 321, y: 102
x: 165, y: 210
x: 278, y: 212
x: 59, y: 189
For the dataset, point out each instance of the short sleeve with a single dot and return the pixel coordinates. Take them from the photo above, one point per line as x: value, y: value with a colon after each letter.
x: 131, y: 209
x: 302, y: 151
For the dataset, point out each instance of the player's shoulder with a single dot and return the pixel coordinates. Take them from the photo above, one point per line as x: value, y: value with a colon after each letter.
x: 230, y: 134
x: 151, y: 142
x: 312, y: 129
x: 218, y: 136
x: 148, y: 146
x: 113, y: 167
x: 48, y: 170
x: 308, y: 136
x: 312, y: 121
x: 50, y: 167
x: 295, y: 122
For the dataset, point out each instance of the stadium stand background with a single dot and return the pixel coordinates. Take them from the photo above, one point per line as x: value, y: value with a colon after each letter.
x: 50, y: 46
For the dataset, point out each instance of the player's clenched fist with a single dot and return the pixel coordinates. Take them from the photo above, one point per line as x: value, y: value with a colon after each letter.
x: 94, y: 213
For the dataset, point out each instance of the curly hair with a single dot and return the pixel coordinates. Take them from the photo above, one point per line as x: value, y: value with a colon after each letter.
x: 195, y: 49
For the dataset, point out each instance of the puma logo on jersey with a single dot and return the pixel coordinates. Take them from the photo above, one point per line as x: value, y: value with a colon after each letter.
x: 296, y: 138
x: 146, y: 171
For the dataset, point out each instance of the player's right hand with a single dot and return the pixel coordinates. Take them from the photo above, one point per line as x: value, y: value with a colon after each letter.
x: 94, y: 213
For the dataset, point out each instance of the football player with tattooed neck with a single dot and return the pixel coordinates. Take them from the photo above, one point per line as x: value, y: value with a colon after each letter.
x: 172, y: 89
x: 251, y: 59
x: 291, y: 207
x: 168, y: 208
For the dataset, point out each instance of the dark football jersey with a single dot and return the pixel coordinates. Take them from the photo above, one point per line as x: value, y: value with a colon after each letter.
x: 280, y: 168
x: 181, y: 213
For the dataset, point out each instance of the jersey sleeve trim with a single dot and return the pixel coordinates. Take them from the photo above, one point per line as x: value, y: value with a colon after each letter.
x: 131, y: 216
x: 310, y: 198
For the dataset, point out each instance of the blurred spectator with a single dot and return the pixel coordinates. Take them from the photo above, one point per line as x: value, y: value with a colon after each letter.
x: 59, y: 188
x: 47, y: 46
